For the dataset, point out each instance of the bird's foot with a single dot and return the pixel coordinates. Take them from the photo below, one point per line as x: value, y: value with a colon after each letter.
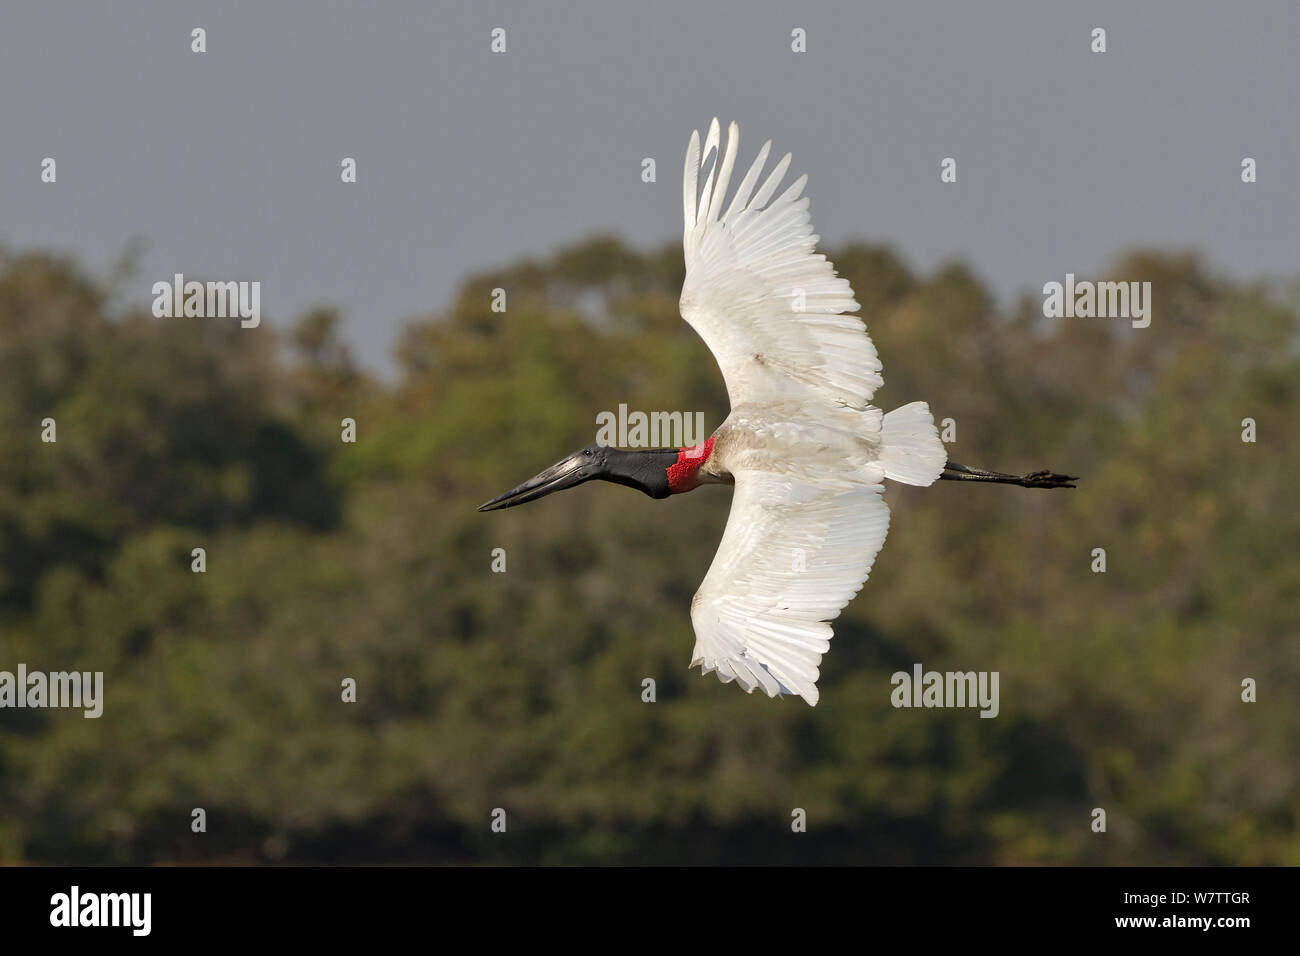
x: 1047, y: 479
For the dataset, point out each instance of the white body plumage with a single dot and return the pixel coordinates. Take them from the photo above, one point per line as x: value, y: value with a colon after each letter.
x: 807, y: 452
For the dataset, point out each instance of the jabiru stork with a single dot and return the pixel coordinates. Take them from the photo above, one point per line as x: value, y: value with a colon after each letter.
x: 806, y: 451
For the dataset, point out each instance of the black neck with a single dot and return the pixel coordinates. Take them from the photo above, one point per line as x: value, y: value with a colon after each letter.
x: 643, y: 469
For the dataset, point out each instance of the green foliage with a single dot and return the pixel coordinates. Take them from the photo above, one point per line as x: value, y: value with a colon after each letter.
x: 522, y: 690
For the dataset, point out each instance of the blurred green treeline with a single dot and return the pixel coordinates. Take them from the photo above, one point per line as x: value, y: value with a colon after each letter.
x: 522, y: 690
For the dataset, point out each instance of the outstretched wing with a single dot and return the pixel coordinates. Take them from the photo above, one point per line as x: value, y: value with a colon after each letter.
x: 768, y: 306
x: 795, y: 551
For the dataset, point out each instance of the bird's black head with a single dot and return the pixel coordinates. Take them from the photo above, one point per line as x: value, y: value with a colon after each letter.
x: 645, y: 470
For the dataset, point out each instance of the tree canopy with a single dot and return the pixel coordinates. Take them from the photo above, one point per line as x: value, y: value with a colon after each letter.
x: 522, y: 690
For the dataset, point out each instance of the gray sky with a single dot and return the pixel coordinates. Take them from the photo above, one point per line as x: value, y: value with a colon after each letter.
x: 227, y: 162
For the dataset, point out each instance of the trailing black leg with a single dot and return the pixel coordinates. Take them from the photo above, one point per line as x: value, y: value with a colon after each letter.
x: 1036, y: 479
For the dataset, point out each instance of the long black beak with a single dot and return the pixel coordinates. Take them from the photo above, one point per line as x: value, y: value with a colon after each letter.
x: 563, y: 474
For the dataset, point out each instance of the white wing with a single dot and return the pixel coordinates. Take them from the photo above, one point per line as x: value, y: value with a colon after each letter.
x: 768, y: 307
x: 795, y: 551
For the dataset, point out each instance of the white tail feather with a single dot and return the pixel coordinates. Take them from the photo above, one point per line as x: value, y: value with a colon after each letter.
x: 910, y: 449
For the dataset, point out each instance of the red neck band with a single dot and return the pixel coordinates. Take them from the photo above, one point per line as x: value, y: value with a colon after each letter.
x: 685, y: 473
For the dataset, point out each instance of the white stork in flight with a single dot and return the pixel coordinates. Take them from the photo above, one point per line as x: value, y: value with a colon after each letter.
x: 807, y: 452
